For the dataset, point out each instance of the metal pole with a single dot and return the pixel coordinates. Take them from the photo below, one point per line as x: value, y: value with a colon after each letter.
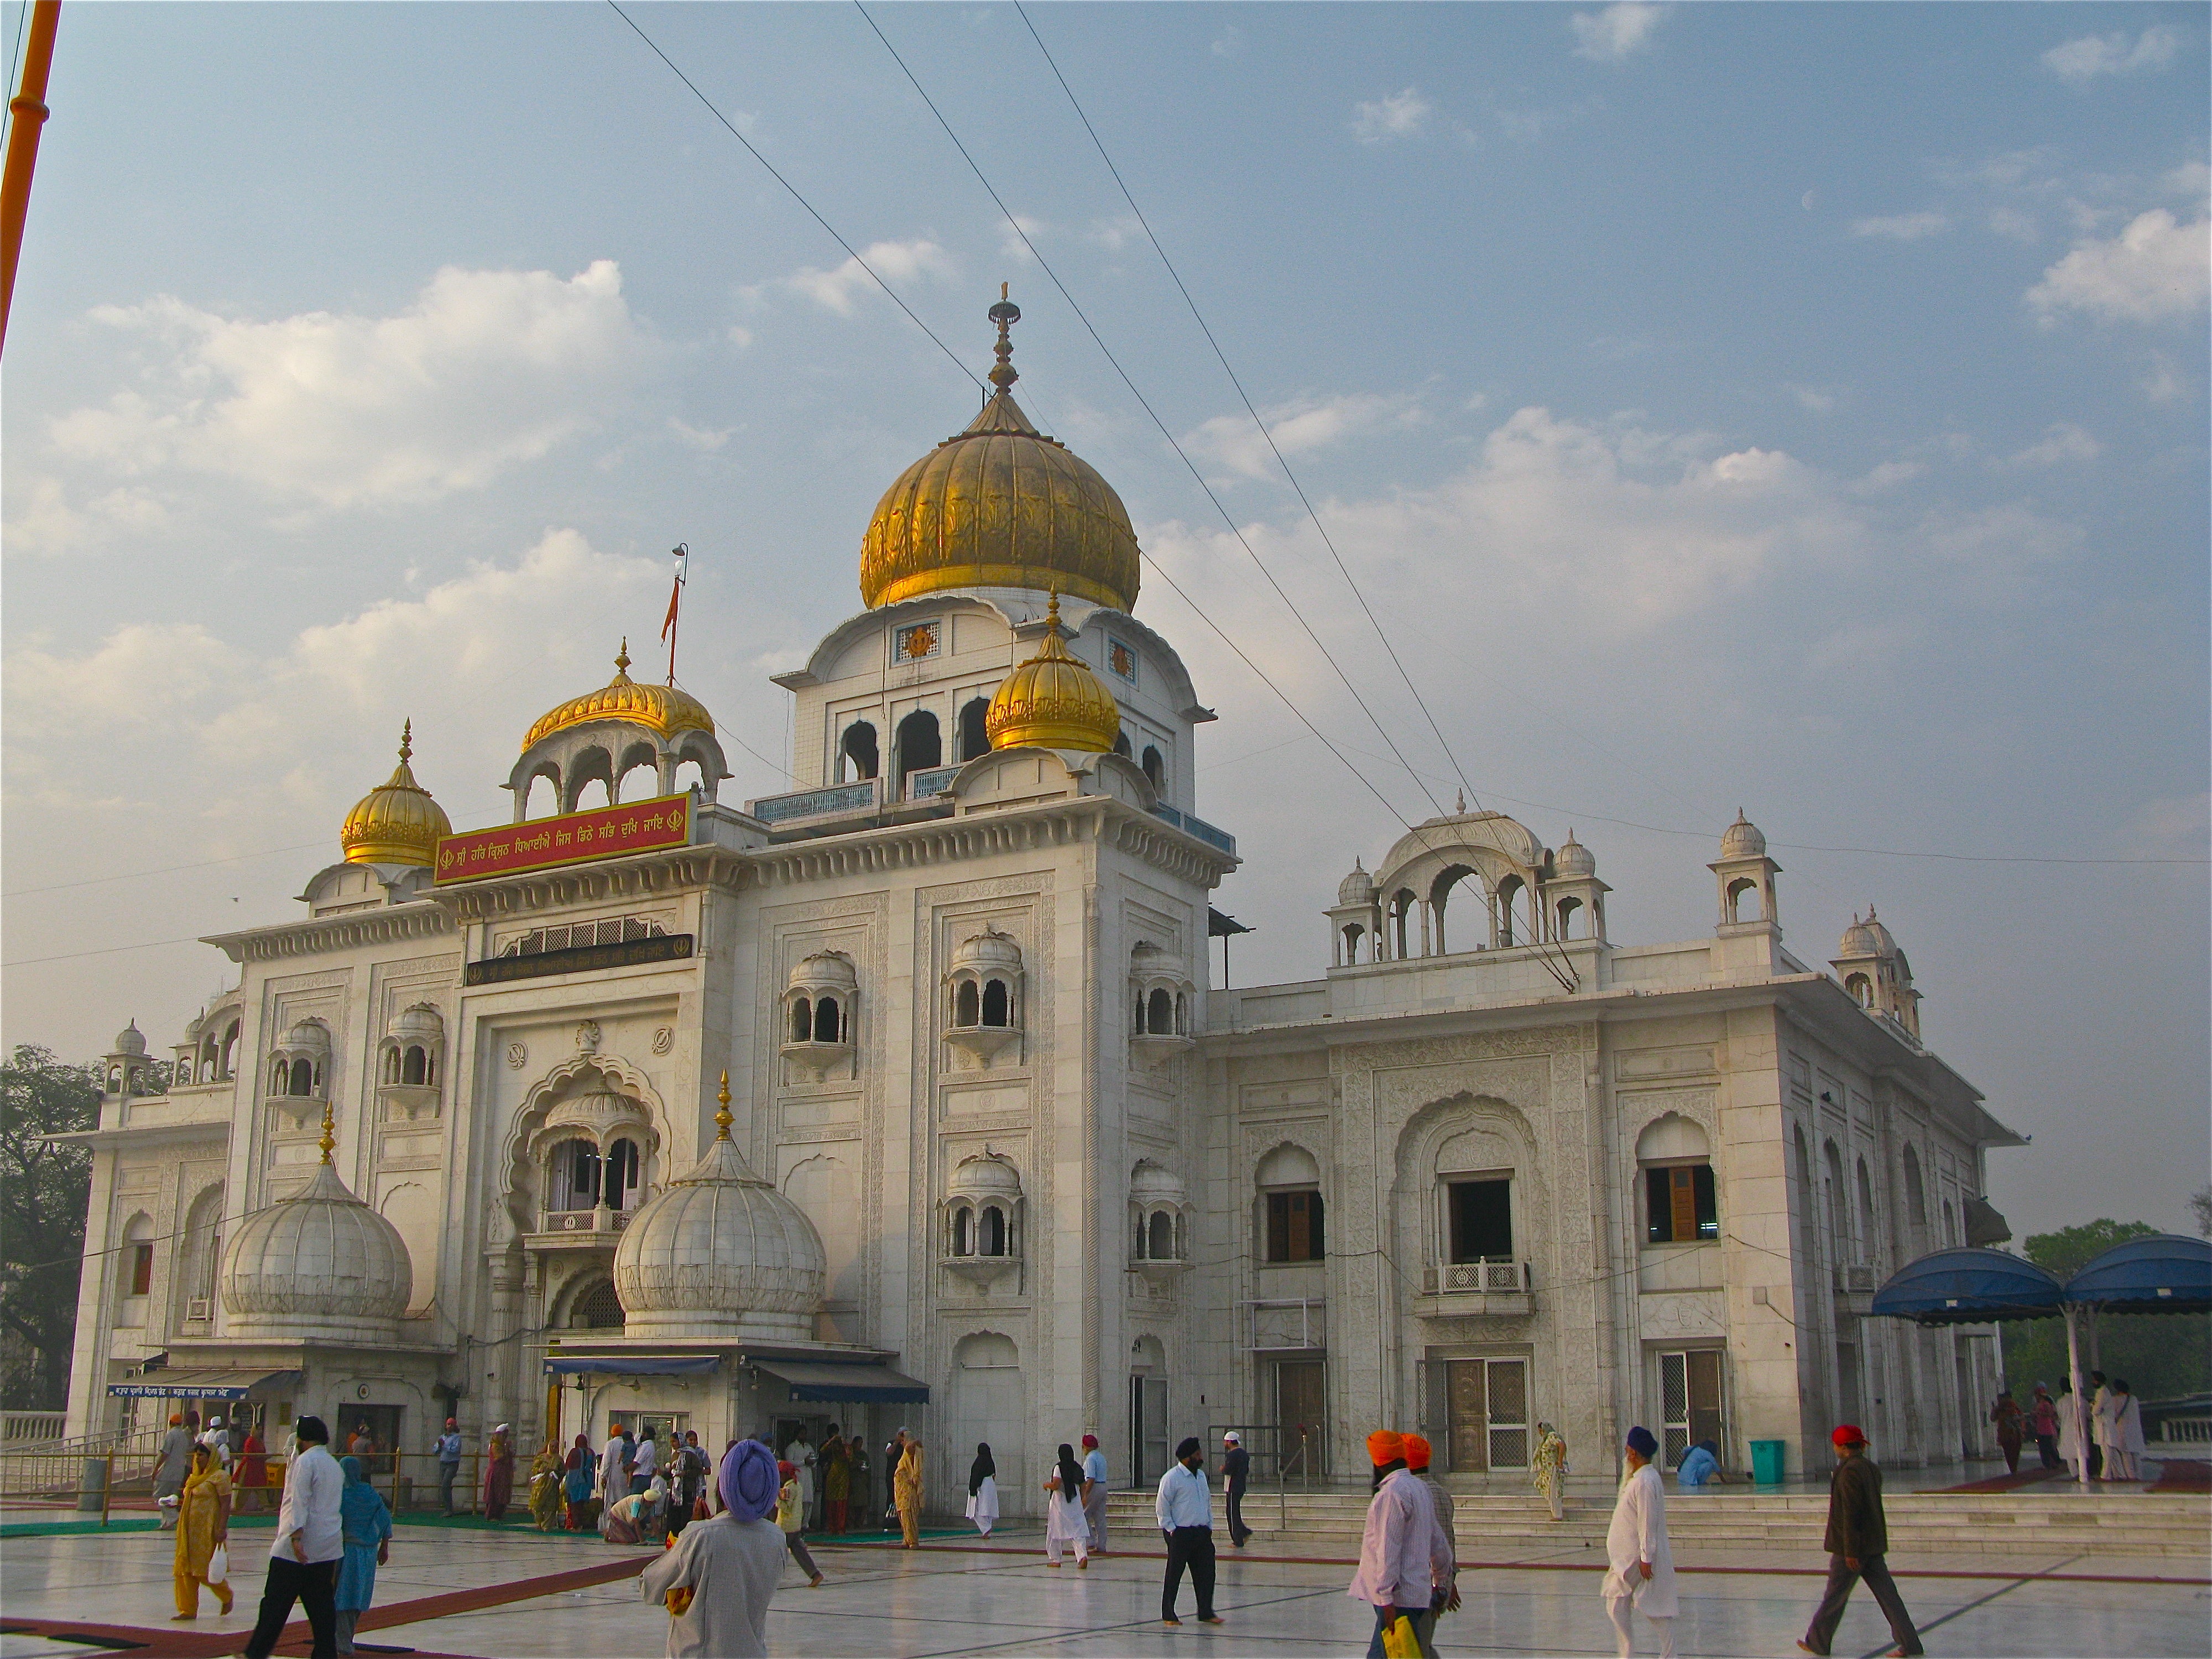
x: 28, y: 107
x: 2074, y: 1384
x: 107, y: 1485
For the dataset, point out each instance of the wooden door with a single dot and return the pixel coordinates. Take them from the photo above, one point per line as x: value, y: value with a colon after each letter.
x: 1467, y: 1396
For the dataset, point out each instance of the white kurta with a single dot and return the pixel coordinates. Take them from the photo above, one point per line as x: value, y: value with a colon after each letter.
x: 2128, y: 1430
x: 2069, y: 1429
x: 1063, y: 1518
x: 2100, y: 1416
x: 731, y: 1567
x: 983, y: 1504
x: 801, y: 1457
x: 1637, y: 1535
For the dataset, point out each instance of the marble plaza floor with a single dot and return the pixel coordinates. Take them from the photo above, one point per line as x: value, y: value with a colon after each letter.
x: 515, y: 1594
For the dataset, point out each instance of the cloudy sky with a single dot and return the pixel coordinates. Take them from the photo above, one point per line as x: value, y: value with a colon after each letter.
x: 1801, y: 409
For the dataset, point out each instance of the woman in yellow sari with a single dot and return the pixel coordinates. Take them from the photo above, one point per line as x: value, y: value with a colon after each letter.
x: 906, y: 1488
x: 545, y: 1488
x: 203, y: 1522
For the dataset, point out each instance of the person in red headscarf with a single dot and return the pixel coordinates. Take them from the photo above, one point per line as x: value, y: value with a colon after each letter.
x: 1857, y: 1543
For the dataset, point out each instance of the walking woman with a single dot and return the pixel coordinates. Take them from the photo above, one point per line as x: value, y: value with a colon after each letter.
x: 1550, y: 1476
x: 545, y: 1488
x: 983, y: 1490
x: 1064, y: 1519
x: 366, y: 1523
x: 791, y: 1517
x: 577, y: 1485
x: 202, y: 1528
x: 252, y: 1477
x: 499, y: 1473
x: 906, y: 1488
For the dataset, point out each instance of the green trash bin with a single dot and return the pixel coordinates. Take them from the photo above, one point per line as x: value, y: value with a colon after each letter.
x: 1766, y: 1461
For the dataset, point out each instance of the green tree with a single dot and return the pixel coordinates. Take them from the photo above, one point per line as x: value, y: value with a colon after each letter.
x: 43, y: 1190
x: 2162, y: 1356
x: 2200, y: 1206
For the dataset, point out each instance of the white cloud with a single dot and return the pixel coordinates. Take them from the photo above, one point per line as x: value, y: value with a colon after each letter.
x: 1011, y: 232
x: 46, y: 523
x: 700, y: 437
x: 2094, y: 55
x: 487, y: 370
x: 2153, y: 272
x: 1233, y: 442
x: 1618, y: 31
x: 2190, y: 179
x: 1113, y: 233
x: 738, y: 335
x: 2064, y: 441
x: 2160, y: 381
x: 1888, y: 476
x: 1399, y: 116
x: 1812, y: 399
x: 839, y: 290
x: 1901, y: 226
x: 2011, y: 222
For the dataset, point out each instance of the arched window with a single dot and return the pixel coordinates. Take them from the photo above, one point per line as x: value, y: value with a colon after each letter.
x: 856, y: 753
x: 962, y: 1239
x: 544, y: 800
x: 622, y: 1174
x: 1567, y: 909
x: 1861, y: 989
x: 598, y: 1308
x: 1680, y: 1205
x: 1160, y: 1244
x: 1288, y: 1179
x: 826, y: 1027
x: 1916, y: 1207
x: 137, y: 1262
x: 593, y: 795
x: 920, y: 747
x: 1508, y: 890
x: 967, y: 1004
x: 640, y: 782
x: 391, y: 1065
x: 992, y: 1227
x: 802, y: 1020
x: 572, y: 1173
x: 1159, y: 1014
x: 1867, y: 1229
x: 1122, y: 745
x: 302, y: 1082
x: 1354, y: 935
x: 994, y: 1002
x: 416, y: 1068
x: 974, y: 739
x: 230, y: 1051
x: 689, y: 775
x: 1743, y: 901
x: 1155, y: 767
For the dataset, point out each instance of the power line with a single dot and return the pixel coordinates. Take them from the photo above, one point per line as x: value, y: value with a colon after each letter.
x: 1226, y: 517
x: 849, y: 249
x: 166, y: 870
x: 1222, y: 358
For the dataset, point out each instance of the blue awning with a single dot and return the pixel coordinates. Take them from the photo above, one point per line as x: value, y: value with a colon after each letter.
x: 2164, y: 1273
x: 628, y: 1364
x: 814, y: 1380
x: 1968, y: 1287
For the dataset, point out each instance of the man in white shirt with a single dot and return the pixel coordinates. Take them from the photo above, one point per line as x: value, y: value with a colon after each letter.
x: 218, y: 1441
x: 1640, y: 1568
x: 1402, y: 1552
x: 1094, y: 1506
x: 1184, y: 1509
x: 303, y: 1560
x: 648, y: 1463
x: 799, y: 1454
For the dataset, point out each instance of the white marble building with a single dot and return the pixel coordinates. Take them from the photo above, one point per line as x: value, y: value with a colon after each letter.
x: 1000, y: 1165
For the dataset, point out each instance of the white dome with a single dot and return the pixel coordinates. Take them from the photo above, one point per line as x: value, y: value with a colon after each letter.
x: 321, y: 1265
x: 1866, y: 939
x: 598, y: 1114
x: 720, y: 1252
x: 1357, y: 888
x: 1150, y: 1184
x: 130, y: 1040
x: 416, y: 1024
x: 986, y: 1174
x: 1741, y: 840
x: 1574, y: 859
x: 988, y: 950
x: 828, y: 970
x: 311, y: 1035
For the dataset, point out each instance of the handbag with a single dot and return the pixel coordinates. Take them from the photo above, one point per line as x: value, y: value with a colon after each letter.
x: 218, y: 1571
x: 1398, y: 1641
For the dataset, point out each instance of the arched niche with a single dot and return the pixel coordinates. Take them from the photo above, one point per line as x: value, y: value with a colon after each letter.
x: 580, y: 1074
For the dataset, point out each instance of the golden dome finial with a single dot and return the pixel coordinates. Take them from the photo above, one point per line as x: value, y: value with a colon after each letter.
x: 1053, y: 701
x: 330, y: 1132
x: 1005, y: 314
x: 722, y: 1119
x: 397, y: 822
x: 621, y: 659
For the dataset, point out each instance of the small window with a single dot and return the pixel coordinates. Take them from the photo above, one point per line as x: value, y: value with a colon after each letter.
x: 1122, y: 745
x: 142, y: 1269
x: 1159, y: 1014
x: 622, y: 1175
x: 961, y: 1244
x: 994, y: 1003
x: 992, y: 1226
x: 1160, y: 1247
x: 1294, y: 1227
x: 802, y: 1019
x: 856, y: 753
x: 1155, y: 767
x: 417, y: 1067
x: 1680, y: 1207
x: 303, y: 1080
x: 967, y: 1004
x: 1481, y: 1220
x: 825, y: 1021
x: 598, y: 1308
x: 974, y: 738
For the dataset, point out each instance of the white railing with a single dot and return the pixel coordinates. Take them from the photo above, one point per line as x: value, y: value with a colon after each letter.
x: 2185, y: 1430
x: 1287, y: 1325
x: 1486, y: 1277
x: 31, y: 1428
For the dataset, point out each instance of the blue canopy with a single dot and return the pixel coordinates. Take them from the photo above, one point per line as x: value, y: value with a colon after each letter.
x: 1968, y: 1287
x: 2163, y: 1273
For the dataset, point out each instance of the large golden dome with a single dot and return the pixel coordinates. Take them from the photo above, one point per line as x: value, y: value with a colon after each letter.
x: 662, y: 707
x: 397, y: 822
x: 1052, y: 701
x: 1000, y: 505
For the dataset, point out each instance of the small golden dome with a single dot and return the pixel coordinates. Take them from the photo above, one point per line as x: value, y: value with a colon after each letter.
x: 662, y: 707
x: 397, y: 822
x: 1000, y: 505
x: 1052, y: 701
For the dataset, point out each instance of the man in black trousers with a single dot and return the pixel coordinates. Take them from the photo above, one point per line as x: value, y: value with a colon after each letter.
x: 1236, y: 1470
x: 1857, y: 1542
x: 304, y: 1557
x: 1184, y: 1510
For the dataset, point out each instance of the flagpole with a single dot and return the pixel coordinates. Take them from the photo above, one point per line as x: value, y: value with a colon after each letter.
x: 682, y: 554
x: 29, y: 109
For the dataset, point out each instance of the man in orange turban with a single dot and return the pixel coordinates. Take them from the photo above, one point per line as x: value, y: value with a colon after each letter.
x: 1402, y: 1553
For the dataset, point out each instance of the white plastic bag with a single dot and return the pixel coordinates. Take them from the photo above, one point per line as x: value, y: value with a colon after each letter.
x: 218, y: 1571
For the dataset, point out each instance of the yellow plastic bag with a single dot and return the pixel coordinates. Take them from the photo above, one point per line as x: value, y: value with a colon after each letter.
x: 679, y: 1601
x: 1398, y: 1641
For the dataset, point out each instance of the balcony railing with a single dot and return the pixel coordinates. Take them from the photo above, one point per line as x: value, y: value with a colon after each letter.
x: 1220, y: 839
x: 601, y: 1220
x: 921, y: 786
x: 1483, y: 1278
x: 837, y: 800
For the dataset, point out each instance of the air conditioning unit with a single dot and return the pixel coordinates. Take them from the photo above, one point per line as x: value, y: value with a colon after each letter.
x: 1857, y: 1278
x: 200, y: 1306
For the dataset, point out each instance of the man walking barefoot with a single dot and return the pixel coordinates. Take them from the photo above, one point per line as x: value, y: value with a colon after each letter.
x: 309, y: 1545
x: 1857, y: 1544
x: 1640, y: 1564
